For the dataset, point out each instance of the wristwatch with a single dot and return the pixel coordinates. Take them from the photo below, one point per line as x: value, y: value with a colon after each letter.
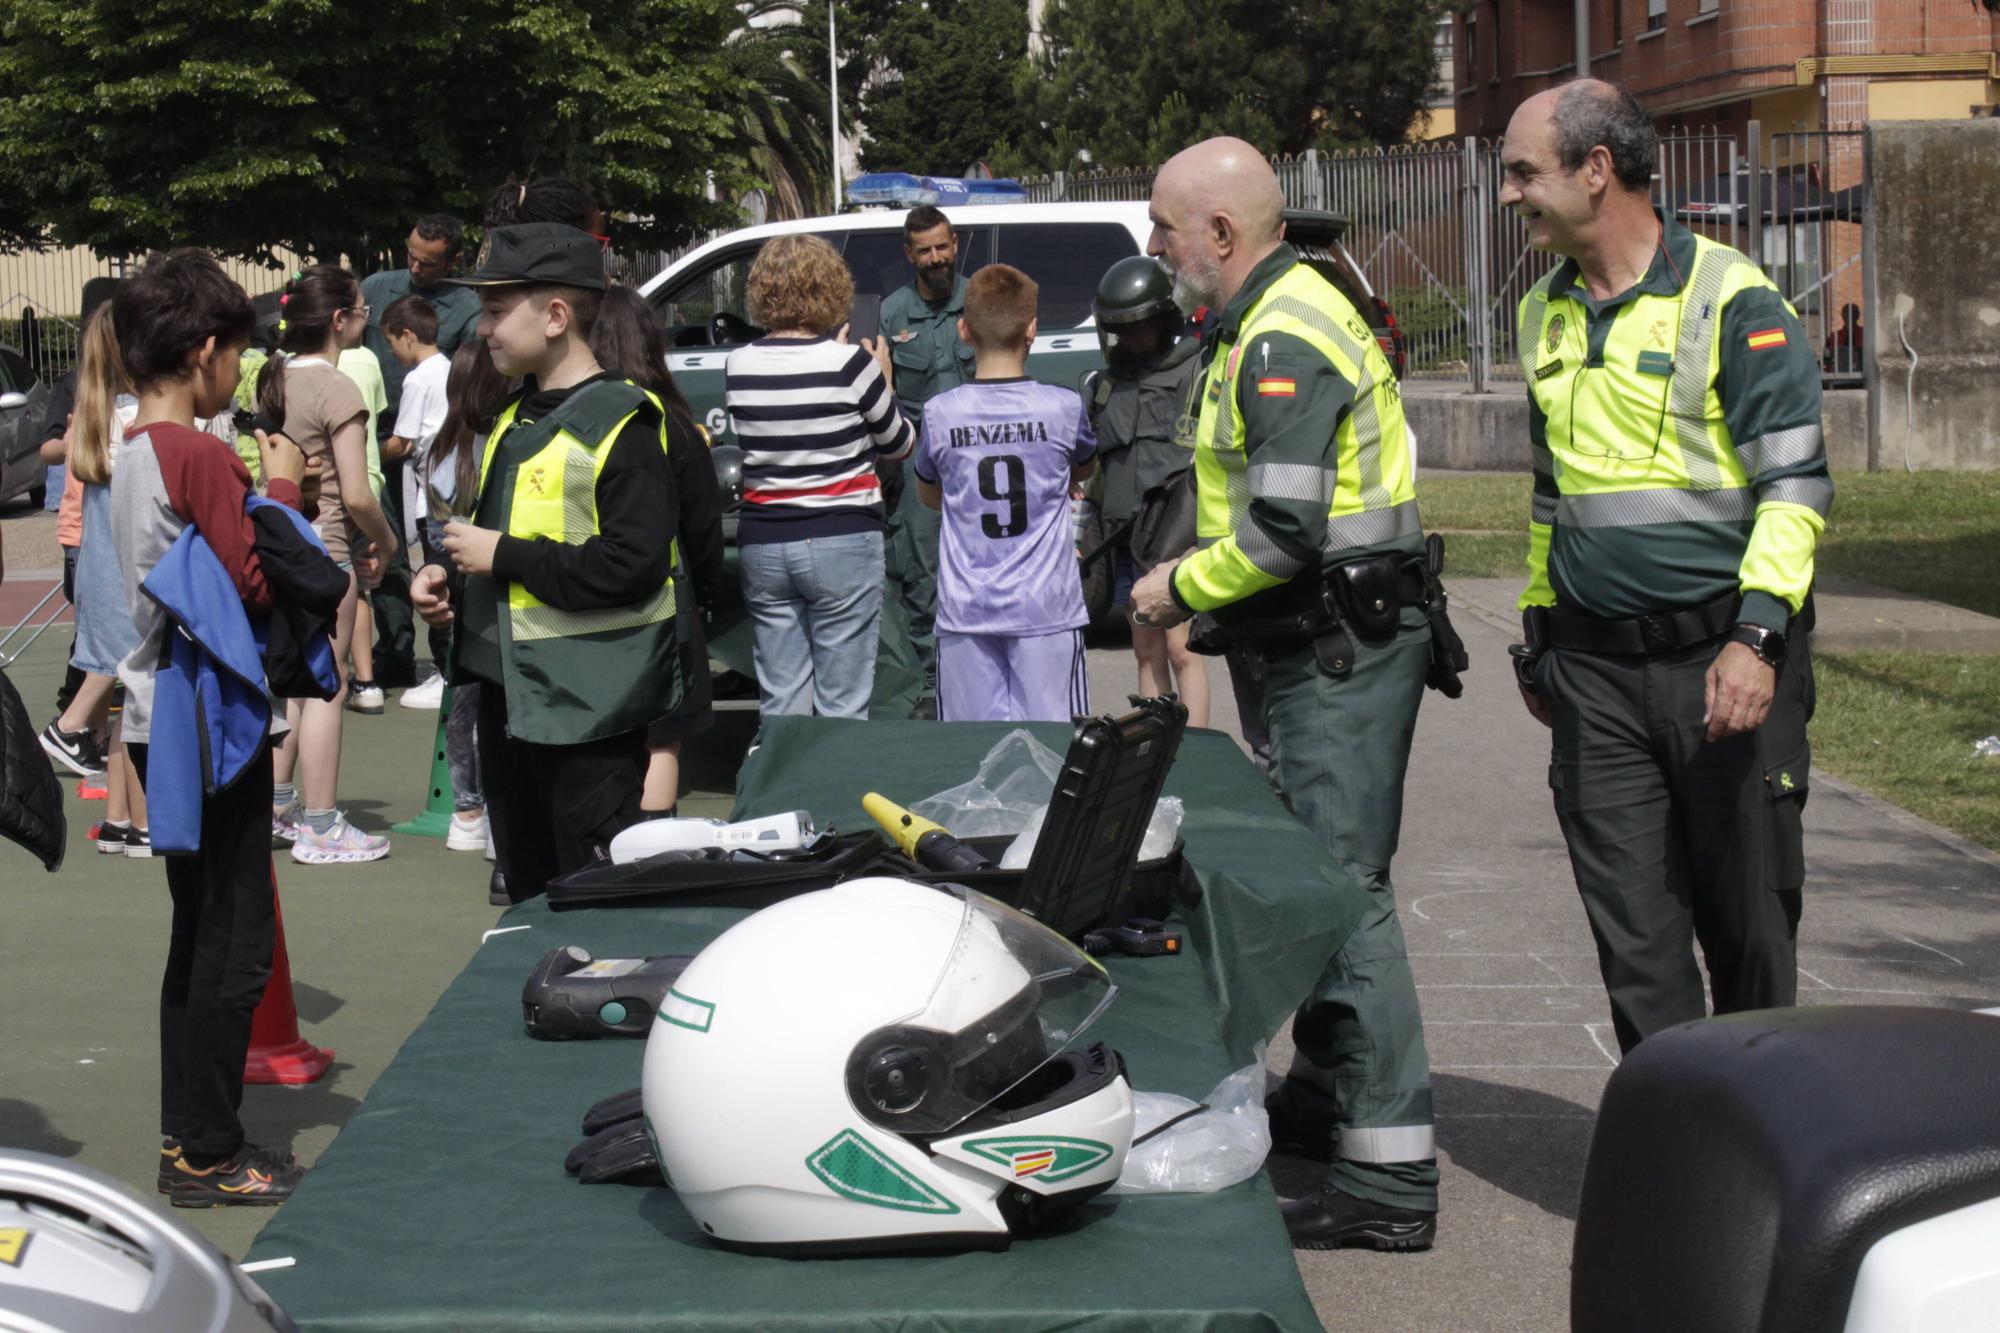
x: 1768, y: 644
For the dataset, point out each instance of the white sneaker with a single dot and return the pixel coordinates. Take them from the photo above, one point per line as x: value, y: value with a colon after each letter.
x: 368, y: 699
x: 467, y: 835
x: 427, y: 696
x: 343, y: 844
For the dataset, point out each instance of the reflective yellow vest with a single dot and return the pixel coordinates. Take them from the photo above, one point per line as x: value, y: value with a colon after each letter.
x: 573, y: 676
x: 1637, y: 440
x: 1368, y: 486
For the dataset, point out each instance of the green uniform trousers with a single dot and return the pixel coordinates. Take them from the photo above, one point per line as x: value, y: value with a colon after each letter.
x: 1339, y: 749
x: 906, y: 656
x: 1676, y: 840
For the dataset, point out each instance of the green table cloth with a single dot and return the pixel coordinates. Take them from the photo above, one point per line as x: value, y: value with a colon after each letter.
x: 443, y: 1203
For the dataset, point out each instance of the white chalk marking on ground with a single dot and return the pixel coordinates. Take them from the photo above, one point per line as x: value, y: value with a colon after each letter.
x: 1823, y: 985
x: 1417, y: 907
x: 1927, y: 948
x: 86, y: 1062
x: 1552, y: 968
x: 1595, y: 1069
x: 1503, y: 985
x: 266, y: 1265
x: 502, y: 930
x: 1598, y: 1038
x: 1886, y: 990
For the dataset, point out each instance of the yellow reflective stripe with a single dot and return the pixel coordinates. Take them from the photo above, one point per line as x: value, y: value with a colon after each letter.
x: 1778, y: 449
x: 1813, y: 493
x: 1694, y: 356
x: 537, y: 620
x: 1371, y: 526
x: 1634, y: 509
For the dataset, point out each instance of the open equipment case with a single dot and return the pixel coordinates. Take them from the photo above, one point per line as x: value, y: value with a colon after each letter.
x: 1084, y: 874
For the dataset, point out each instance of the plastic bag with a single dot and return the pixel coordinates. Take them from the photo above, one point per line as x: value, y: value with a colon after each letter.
x: 1209, y: 1150
x: 1013, y: 785
x: 1161, y: 832
x: 1988, y: 748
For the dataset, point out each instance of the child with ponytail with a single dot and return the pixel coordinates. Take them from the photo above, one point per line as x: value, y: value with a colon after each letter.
x: 322, y: 410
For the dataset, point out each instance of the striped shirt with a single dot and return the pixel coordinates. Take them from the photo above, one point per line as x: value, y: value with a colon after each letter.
x: 812, y: 416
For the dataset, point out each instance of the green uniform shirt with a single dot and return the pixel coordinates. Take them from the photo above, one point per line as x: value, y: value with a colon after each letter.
x: 1676, y: 446
x: 1292, y: 402
x: 458, y: 314
x: 924, y: 346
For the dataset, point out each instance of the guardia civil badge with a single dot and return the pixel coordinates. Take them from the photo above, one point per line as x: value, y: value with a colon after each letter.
x: 1555, y: 332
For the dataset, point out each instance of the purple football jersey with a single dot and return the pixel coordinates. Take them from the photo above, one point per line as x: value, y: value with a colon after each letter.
x: 1002, y: 450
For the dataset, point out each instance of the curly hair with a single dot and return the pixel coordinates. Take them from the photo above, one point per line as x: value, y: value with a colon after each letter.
x: 800, y: 282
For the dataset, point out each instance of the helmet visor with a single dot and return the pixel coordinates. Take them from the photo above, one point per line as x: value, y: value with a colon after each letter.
x: 1011, y: 996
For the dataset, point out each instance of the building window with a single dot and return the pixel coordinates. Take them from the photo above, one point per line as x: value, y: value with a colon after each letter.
x: 1498, y: 41
x: 1441, y: 47
x: 1617, y: 23
x: 1656, y: 15
x: 1471, y: 49
x: 1710, y: 6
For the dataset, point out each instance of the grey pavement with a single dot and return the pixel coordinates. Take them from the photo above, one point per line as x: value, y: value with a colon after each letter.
x: 1897, y: 911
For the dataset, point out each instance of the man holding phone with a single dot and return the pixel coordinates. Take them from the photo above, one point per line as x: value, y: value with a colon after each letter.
x: 920, y: 322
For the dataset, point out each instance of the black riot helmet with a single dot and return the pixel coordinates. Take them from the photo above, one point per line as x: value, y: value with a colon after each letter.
x: 1137, y: 322
x: 728, y: 462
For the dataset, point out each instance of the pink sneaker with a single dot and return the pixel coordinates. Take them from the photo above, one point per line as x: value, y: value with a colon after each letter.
x: 343, y: 844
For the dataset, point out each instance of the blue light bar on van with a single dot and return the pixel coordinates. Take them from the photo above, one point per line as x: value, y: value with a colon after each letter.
x: 899, y: 189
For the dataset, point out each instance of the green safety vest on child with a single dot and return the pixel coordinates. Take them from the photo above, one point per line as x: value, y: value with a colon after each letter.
x: 574, y: 676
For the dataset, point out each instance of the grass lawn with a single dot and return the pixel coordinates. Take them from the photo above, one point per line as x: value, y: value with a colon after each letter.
x: 1935, y: 534
x: 1903, y: 724
x: 1899, y: 724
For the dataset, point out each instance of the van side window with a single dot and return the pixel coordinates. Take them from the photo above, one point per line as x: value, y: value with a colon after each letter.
x: 708, y: 308
x: 15, y: 376
x: 1066, y: 260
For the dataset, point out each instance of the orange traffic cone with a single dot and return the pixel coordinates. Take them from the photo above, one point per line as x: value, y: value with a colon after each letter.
x: 278, y: 1054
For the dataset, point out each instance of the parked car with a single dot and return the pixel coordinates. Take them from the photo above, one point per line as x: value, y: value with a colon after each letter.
x: 1065, y: 248
x: 24, y: 407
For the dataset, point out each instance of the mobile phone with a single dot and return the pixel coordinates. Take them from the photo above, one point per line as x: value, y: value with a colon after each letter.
x: 249, y: 423
x: 864, y: 320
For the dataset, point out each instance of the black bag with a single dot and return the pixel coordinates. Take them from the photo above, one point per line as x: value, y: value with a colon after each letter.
x: 1163, y: 527
x: 31, y: 802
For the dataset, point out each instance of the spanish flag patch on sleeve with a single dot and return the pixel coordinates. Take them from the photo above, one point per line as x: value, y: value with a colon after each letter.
x: 1277, y: 386
x: 1765, y: 338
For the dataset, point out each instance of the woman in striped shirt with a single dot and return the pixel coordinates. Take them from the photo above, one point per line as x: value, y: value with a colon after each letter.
x: 813, y: 414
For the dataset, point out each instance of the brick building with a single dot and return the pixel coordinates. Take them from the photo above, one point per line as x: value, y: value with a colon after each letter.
x: 1789, y: 64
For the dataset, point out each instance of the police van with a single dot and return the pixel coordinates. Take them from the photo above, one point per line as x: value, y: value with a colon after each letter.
x: 1065, y: 248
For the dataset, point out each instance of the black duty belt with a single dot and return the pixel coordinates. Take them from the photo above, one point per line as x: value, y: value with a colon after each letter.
x: 1644, y: 636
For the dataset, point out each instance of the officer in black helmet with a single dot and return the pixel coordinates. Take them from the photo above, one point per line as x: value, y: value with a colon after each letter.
x: 1145, y: 439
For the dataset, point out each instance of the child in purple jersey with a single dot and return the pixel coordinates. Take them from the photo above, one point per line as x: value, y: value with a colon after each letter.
x: 998, y: 456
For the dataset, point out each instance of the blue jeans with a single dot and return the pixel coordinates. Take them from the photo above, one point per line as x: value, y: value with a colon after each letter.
x: 814, y: 609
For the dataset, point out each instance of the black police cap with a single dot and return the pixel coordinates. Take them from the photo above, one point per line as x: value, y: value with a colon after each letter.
x: 541, y: 253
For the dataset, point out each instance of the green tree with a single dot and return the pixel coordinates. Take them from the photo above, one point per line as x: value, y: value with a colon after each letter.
x: 782, y: 120
x: 241, y: 125
x: 1133, y: 81
x: 936, y: 79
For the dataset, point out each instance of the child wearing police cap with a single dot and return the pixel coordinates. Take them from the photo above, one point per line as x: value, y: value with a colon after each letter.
x: 565, y: 591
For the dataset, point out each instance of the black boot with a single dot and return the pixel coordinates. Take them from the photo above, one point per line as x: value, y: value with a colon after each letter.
x: 1331, y: 1220
x: 496, y: 890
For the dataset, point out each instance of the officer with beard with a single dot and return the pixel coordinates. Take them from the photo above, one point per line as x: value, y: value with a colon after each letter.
x: 920, y: 323
x: 1311, y: 556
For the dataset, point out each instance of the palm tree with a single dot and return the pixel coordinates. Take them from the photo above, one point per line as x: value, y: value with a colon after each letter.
x: 782, y: 125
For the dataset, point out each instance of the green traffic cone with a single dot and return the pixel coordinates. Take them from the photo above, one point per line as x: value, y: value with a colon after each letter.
x: 435, y: 821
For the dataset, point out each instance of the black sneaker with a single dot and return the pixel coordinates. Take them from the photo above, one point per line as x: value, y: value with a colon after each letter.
x: 252, y: 1177
x: 138, y: 842
x: 75, y: 750
x: 111, y: 838
x: 170, y: 1155
x: 1331, y: 1220
x: 1294, y: 1137
x: 496, y: 890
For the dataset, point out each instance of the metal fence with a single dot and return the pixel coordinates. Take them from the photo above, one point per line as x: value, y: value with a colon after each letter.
x: 1426, y: 226
x: 41, y: 298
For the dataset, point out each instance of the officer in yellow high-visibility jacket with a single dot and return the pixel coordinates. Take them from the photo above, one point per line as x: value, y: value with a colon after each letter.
x: 1310, y: 557
x: 1680, y: 489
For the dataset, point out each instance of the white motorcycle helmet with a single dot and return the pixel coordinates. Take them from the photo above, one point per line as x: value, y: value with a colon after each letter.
x: 885, y: 1065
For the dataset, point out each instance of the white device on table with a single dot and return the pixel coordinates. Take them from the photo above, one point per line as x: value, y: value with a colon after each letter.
x: 773, y: 833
